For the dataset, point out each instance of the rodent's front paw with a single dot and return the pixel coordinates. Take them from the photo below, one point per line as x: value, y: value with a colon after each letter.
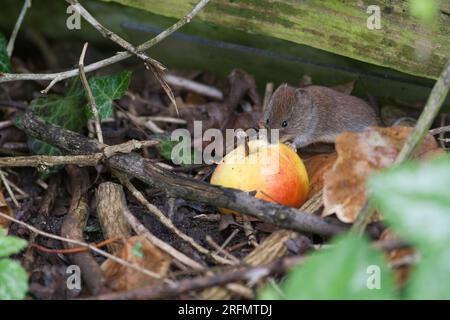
x: 291, y: 145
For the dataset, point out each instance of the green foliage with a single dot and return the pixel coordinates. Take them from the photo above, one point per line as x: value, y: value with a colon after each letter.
x: 5, y: 64
x: 69, y: 110
x: 341, y: 272
x: 65, y: 111
x: 426, y: 10
x: 415, y: 199
x: 166, y: 146
x: 431, y: 277
x: 105, y: 90
x: 10, y: 245
x: 13, y: 278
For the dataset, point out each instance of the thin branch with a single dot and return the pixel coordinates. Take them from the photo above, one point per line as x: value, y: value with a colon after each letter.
x: 87, y: 88
x: 439, y: 130
x: 252, y: 274
x: 49, y: 161
x: 12, y: 39
x: 8, y: 189
x: 151, y: 64
x: 430, y: 111
x: 80, y: 160
x: 83, y: 244
x: 112, y: 36
x: 194, y: 86
x: 56, y: 77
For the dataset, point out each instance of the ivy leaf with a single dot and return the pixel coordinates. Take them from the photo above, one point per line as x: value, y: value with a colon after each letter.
x: 13, y: 280
x: 350, y: 269
x: 10, y: 245
x: 415, y: 199
x: 166, y: 146
x: 65, y: 111
x: 105, y: 90
x: 5, y: 64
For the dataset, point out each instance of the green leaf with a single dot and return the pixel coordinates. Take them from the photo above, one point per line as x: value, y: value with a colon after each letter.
x: 348, y: 270
x: 166, y: 145
x: 431, y: 277
x: 10, y: 245
x: 105, y: 90
x: 426, y: 10
x: 415, y: 199
x: 13, y: 280
x: 5, y: 64
x: 137, y: 250
x: 65, y: 111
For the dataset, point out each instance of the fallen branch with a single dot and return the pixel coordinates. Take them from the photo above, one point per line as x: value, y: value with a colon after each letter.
x: 73, y: 228
x: 164, y: 291
x: 80, y: 160
x: 134, y: 165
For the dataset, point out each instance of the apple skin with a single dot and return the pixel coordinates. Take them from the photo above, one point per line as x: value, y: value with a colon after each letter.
x: 274, y: 171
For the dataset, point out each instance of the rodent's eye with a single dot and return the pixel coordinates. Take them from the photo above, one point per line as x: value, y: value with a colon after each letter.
x: 284, y: 124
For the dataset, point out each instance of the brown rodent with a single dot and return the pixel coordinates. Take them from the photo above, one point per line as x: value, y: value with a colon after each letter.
x: 315, y: 114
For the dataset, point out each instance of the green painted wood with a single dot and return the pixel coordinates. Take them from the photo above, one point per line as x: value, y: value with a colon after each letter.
x: 336, y: 26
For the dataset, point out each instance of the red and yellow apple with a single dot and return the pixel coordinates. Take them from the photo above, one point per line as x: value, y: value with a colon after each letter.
x: 274, y: 171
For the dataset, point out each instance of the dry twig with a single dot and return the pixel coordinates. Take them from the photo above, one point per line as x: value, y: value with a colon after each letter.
x: 87, y: 88
x: 82, y: 244
x: 12, y: 38
x: 56, y: 77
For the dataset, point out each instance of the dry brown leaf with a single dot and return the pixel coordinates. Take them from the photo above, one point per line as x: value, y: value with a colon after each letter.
x: 316, y: 166
x: 359, y: 155
x: 121, y: 278
x: 5, y: 209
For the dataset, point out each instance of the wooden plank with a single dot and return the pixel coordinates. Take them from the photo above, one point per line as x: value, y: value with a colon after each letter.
x: 337, y: 26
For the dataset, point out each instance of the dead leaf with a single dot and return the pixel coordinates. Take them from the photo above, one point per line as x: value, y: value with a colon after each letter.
x: 316, y: 166
x: 5, y: 209
x: 141, y: 252
x: 359, y: 155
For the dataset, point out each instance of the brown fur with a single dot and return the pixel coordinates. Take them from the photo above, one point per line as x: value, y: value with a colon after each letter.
x: 315, y: 114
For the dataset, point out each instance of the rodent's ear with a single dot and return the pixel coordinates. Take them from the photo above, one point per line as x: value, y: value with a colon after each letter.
x: 303, y: 97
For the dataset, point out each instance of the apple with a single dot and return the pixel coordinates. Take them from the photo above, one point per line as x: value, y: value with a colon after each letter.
x: 274, y: 171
